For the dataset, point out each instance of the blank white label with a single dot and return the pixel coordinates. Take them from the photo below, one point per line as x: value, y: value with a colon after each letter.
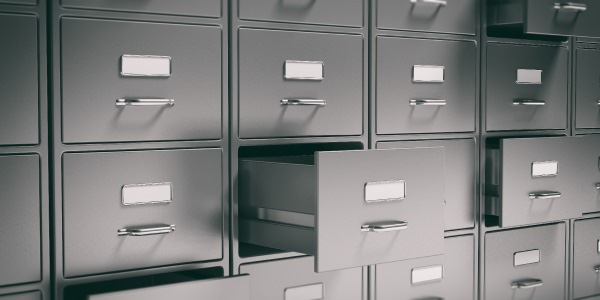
x: 147, y: 193
x: 544, y: 168
x: 426, y: 274
x: 527, y: 258
x: 385, y: 191
x: 428, y: 73
x: 303, y: 70
x: 307, y: 292
x: 525, y: 76
x: 145, y: 65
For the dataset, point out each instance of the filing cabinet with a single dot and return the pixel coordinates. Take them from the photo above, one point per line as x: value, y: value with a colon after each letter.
x: 527, y: 91
x: 331, y: 12
x: 204, y: 8
x: 460, y: 174
x: 314, y: 79
x: 449, y: 277
x: 270, y: 281
x: 125, y: 81
x: 587, y: 88
x: 452, y: 16
x: 19, y: 81
x: 430, y: 88
x: 23, y: 296
x: 586, y: 258
x: 526, y: 263
x: 386, y: 205
x: 139, y: 209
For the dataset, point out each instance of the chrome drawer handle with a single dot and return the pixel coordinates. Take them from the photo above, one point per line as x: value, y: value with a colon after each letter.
x: 579, y: 7
x: 526, y: 102
x: 527, y: 284
x: 437, y: 2
x: 598, y: 186
x: 545, y: 195
x: 145, y: 102
x: 427, y: 102
x: 144, y: 231
x: 387, y: 227
x: 313, y: 102
x: 598, y: 103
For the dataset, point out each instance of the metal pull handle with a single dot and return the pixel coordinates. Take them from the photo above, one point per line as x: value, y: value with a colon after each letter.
x: 598, y: 186
x: 597, y: 269
x: 598, y: 103
x: 527, y: 284
x: 385, y: 227
x: 437, y: 2
x: 427, y: 102
x: 313, y: 102
x: 526, y: 102
x: 578, y: 7
x: 545, y: 195
x: 144, y: 231
x: 145, y: 102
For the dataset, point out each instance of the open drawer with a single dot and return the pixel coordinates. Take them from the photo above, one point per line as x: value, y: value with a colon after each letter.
x: 347, y: 208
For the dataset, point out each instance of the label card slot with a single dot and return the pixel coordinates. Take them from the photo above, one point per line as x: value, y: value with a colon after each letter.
x: 526, y: 76
x: 303, y: 70
x: 307, y: 292
x: 434, y: 74
x: 145, y: 66
x: 147, y: 193
x: 544, y: 169
x: 427, y: 274
x: 385, y: 191
x: 526, y: 258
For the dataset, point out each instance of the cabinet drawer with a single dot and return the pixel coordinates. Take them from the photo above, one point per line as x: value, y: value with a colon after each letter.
x: 431, y: 87
x: 271, y: 280
x: 20, y: 2
x: 587, y: 89
x: 23, y: 296
x: 548, y: 17
x: 526, y: 263
x: 128, y: 81
x: 231, y: 288
x: 202, y: 8
x: 450, y: 276
x: 315, y: 84
x: 534, y: 180
x: 451, y: 16
x: 526, y: 87
x: 361, y: 203
x: 460, y: 169
x: 141, y: 209
x: 586, y: 258
x: 330, y: 12
x: 20, y: 253
x: 589, y: 158
x: 19, y: 115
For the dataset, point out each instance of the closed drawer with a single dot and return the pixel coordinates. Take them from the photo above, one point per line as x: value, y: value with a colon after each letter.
x: 361, y: 203
x: 526, y: 87
x: 314, y: 80
x: 19, y: 80
x: 526, y: 264
x: 330, y: 12
x: 451, y: 16
x: 230, y: 288
x: 203, y: 8
x: 460, y: 170
x: 20, y: 254
x: 431, y: 87
x: 589, y: 177
x: 141, y: 209
x: 111, y: 94
x: 534, y: 180
x: 24, y: 296
x: 586, y: 258
x: 272, y: 280
x: 449, y: 277
x: 548, y: 17
x: 587, y: 89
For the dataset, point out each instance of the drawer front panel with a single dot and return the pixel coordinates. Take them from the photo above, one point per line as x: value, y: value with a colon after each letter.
x: 271, y: 281
x: 586, y: 258
x: 500, y: 271
x: 587, y: 89
x: 24, y: 296
x: 92, y: 83
x: 453, y: 89
x: 459, y: 211
x: 456, y: 283
x: 333, y: 104
x: 20, y: 250
x: 330, y: 12
x: 97, y: 222
x: 520, y: 187
x: 21, y: 2
x: 515, y: 101
x: 590, y: 173
x: 19, y: 116
x: 457, y: 16
x: 379, y: 231
x: 204, y: 8
x: 544, y: 17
